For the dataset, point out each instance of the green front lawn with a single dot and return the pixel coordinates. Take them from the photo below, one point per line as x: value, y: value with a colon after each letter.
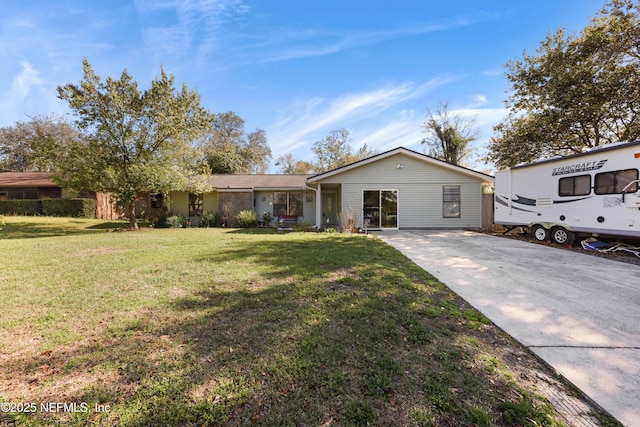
x: 233, y: 327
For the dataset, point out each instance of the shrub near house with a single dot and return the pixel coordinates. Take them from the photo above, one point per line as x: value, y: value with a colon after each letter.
x: 246, y: 219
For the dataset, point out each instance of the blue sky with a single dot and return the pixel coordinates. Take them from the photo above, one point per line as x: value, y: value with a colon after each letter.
x: 297, y: 69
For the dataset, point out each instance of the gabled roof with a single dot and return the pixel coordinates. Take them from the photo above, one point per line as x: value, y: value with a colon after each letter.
x: 26, y: 179
x: 414, y: 154
x: 257, y: 182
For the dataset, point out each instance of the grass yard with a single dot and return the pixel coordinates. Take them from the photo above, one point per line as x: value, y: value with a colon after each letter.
x: 232, y: 327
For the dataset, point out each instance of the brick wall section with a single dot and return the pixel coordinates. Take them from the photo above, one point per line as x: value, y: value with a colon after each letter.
x: 105, y: 209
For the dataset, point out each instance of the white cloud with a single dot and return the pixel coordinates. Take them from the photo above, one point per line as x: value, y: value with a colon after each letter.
x: 21, y: 87
x: 403, y: 131
x: 484, y: 117
x: 306, y: 122
x: 28, y: 94
x: 190, y: 27
x: 24, y: 81
x: 209, y: 27
x: 479, y: 100
x: 493, y: 72
x: 304, y: 51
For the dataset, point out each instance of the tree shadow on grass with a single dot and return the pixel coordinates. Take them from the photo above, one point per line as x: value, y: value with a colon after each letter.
x: 344, y: 332
x: 37, y: 228
x: 253, y: 230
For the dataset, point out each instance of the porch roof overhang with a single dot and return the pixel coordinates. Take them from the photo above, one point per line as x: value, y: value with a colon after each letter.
x: 249, y: 190
x: 260, y: 181
x: 263, y: 182
x: 281, y: 188
x: 234, y: 190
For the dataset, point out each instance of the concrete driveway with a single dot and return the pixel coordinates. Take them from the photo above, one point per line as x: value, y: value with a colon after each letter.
x: 579, y: 313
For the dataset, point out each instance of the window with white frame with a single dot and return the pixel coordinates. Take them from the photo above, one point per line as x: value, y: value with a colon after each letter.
x: 285, y: 203
x: 451, y: 201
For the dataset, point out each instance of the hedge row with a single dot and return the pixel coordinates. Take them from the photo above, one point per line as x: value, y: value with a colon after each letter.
x: 76, y: 208
x: 21, y: 207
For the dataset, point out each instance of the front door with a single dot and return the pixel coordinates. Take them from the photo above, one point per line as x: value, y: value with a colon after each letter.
x: 329, y: 208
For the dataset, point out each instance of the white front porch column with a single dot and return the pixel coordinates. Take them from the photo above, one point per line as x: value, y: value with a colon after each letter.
x: 319, y: 207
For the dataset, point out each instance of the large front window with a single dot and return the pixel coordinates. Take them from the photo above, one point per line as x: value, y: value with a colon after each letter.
x: 380, y: 208
x: 285, y: 203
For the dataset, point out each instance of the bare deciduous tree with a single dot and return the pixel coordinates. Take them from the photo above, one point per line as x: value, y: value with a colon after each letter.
x: 447, y: 135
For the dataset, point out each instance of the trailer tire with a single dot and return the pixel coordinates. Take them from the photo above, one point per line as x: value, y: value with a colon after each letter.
x: 562, y: 236
x: 540, y: 233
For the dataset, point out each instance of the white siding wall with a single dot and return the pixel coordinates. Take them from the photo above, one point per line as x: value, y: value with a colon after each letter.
x: 309, y: 207
x: 265, y: 205
x: 419, y: 186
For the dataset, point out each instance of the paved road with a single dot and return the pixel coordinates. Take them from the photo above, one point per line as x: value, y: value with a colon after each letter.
x: 579, y: 313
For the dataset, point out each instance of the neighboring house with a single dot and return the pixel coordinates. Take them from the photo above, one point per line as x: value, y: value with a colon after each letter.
x: 399, y: 188
x: 39, y: 185
x: 28, y: 185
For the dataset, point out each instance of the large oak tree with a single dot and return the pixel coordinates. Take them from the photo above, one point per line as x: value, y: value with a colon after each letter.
x: 229, y: 149
x: 335, y: 151
x: 289, y: 165
x: 577, y: 92
x: 133, y: 141
x: 35, y: 145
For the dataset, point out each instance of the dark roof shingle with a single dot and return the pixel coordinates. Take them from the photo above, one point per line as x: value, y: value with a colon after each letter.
x: 257, y: 182
x: 26, y: 179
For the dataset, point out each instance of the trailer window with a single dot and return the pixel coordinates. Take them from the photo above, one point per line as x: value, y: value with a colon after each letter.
x: 616, y: 181
x: 575, y: 185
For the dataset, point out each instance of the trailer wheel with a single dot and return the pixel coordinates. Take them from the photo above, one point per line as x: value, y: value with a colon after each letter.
x: 561, y: 236
x: 540, y: 233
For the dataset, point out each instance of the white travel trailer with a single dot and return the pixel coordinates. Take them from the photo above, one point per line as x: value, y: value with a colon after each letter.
x: 595, y: 193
